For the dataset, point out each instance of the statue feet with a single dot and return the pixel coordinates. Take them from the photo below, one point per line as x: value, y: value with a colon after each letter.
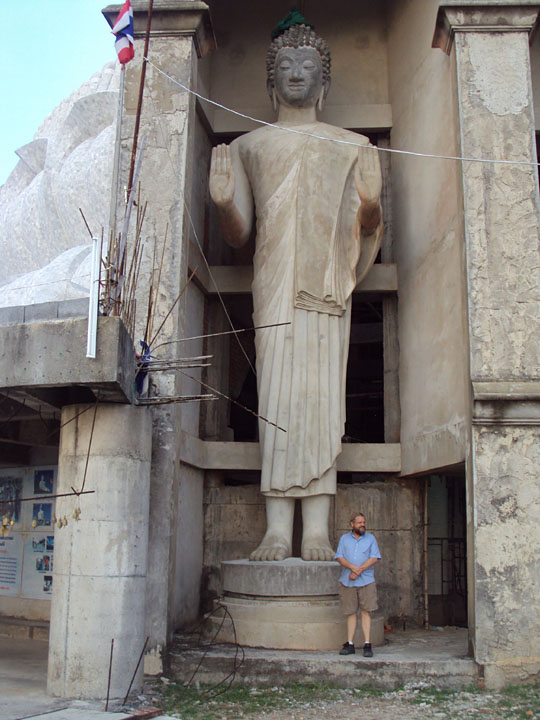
x: 273, y: 547
x: 317, y: 547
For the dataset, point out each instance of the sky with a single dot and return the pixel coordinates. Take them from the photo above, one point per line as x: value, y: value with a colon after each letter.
x: 48, y: 49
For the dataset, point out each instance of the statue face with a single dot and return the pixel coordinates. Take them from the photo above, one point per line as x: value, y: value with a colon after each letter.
x: 298, y: 76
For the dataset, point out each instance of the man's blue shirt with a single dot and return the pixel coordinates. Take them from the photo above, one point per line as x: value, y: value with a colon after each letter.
x: 357, y: 551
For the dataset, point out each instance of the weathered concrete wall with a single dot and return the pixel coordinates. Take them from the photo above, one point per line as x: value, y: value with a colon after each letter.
x: 99, y: 588
x: 190, y: 501
x: 167, y: 171
x: 502, y: 225
x: 235, y: 521
x: 507, y: 502
x: 428, y: 243
x: 535, y: 76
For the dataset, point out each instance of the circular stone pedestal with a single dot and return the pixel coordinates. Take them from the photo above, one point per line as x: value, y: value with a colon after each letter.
x: 292, y: 604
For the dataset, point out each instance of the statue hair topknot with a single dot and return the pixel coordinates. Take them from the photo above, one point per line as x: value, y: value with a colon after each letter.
x: 295, y: 37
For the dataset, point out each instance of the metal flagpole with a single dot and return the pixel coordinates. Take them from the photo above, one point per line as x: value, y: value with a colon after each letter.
x: 116, y: 161
x: 140, y: 100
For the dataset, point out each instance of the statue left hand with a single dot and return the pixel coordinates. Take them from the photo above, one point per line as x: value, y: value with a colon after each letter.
x: 367, y: 175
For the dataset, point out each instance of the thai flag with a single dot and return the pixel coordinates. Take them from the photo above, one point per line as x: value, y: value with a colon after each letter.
x: 123, y: 29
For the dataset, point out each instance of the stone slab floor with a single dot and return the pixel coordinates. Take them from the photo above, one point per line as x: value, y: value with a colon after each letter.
x: 438, y: 657
x: 23, y: 683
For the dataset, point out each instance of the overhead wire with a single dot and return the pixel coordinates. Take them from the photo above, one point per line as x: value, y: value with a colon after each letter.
x: 296, y: 131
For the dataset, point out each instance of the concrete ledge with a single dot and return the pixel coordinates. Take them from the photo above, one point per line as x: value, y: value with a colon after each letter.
x: 52, y: 354
x: 44, y: 311
x: 433, y: 451
x: 354, y: 457
x: 366, y: 117
x: 24, y: 629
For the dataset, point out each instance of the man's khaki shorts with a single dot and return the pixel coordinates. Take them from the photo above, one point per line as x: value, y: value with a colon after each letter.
x: 354, y: 599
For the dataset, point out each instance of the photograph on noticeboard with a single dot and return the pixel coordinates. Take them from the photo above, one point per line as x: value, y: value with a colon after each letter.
x: 43, y: 482
x: 11, y: 488
x: 44, y: 564
x: 39, y: 544
x: 42, y: 514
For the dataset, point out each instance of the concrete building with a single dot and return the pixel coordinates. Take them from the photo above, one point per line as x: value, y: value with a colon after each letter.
x: 443, y: 391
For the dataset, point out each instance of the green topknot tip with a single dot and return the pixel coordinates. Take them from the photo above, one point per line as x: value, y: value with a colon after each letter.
x: 294, y: 17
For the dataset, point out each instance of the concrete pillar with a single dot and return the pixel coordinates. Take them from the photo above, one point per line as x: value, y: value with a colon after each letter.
x: 180, y: 35
x: 501, y: 217
x: 99, y: 586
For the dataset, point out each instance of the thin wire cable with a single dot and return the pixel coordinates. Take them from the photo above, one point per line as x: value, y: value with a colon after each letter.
x: 218, y: 334
x: 226, y: 397
x: 213, y: 691
x: 7, y: 287
x: 166, y: 145
x: 336, y: 140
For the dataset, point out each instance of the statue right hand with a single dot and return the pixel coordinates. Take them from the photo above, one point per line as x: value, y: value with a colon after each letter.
x: 221, y: 176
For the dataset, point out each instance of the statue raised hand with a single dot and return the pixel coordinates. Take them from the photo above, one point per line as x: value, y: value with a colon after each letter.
x: 368, y: 181
x: 234, y: 204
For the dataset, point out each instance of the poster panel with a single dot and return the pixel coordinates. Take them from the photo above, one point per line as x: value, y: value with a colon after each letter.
x: 27, y: 552
x: 11, y: 555
x: 37, y: 579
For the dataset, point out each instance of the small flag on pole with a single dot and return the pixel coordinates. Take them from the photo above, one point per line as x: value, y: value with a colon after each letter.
x: 123, y: 29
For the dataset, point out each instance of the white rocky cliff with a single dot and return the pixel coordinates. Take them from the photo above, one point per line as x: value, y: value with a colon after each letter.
x: 44, y: 243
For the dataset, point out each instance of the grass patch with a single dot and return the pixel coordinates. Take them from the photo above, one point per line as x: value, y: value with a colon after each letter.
x: 191, y: 703
x: 521, y: 702
x: 204, y: 702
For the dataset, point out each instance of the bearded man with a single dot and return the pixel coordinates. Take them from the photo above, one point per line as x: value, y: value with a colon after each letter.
x: 315, y: 190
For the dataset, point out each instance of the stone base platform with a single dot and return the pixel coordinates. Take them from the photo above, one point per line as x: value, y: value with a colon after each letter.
x: 290, y: 604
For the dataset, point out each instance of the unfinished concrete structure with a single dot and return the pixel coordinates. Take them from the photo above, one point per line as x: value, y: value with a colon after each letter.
x: 443, y: 388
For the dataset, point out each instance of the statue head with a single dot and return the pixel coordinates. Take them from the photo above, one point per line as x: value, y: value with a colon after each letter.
x: 298, y: 68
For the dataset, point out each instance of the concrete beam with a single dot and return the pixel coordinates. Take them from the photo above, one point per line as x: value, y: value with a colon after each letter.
x: 52, y: 354
x: 365, y: 117
x: 355, y: 457
x: 230, y: 279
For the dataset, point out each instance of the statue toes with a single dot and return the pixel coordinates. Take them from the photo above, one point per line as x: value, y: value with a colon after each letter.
x: 273, y: 552
x: 280, y: 554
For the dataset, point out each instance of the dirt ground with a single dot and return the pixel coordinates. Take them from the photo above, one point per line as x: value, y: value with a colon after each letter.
x: 412, y: 701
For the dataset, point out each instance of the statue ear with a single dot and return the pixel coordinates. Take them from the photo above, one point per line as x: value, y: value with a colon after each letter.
x: 275, y: 101
x: 322, y: 96
x: 272, y: 94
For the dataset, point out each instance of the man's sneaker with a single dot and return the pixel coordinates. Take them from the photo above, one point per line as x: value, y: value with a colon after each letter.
x: 347, y: 649
x: 368, y: 652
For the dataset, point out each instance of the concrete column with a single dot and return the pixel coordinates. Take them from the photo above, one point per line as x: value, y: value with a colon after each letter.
x: 180, y: 35
x: 501, y: 216
x: 99, y: 585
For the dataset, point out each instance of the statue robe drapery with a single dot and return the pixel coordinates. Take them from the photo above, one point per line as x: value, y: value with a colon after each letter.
x: 307, y: 250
